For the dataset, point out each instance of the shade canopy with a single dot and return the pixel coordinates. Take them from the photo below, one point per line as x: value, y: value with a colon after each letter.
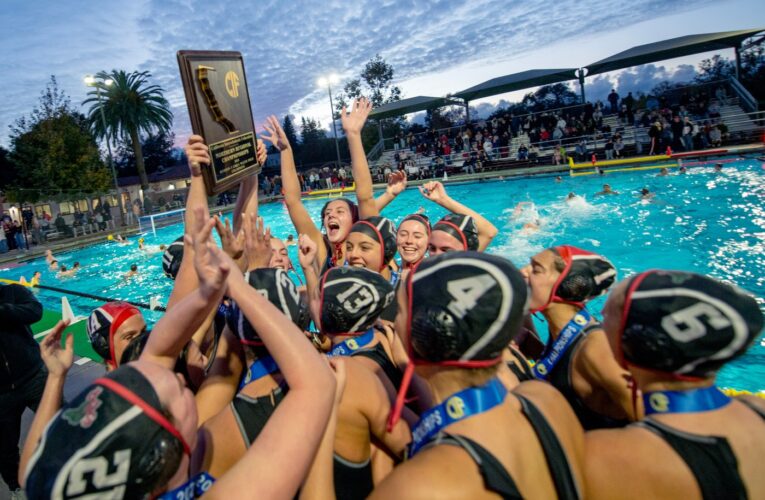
x: 517, y: 81
x: 412, y: 105
x: 669, y: 49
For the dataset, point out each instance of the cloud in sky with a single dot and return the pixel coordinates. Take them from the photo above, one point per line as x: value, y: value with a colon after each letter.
x: 435, y: 47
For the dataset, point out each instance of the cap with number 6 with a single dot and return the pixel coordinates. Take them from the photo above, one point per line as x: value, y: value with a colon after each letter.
x: 684, y: 324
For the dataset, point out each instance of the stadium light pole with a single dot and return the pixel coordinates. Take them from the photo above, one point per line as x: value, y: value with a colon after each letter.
x: 327, y: 81
x: 92, y: 81
x: 581, y: 73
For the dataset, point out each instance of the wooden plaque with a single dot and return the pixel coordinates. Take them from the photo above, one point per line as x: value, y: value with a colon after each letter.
x: 219, y: 106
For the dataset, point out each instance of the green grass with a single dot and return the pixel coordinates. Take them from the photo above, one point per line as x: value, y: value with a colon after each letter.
x: 82, y: 347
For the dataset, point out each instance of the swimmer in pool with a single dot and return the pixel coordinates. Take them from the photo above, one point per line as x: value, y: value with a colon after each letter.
x: 53, y: 265
x: 133, y: 272
x: 663, y: 172
x: 66, y: 273
x: 682, y: 170
x: 606, y: 190
x: 33, y: 282
x: 718, y: 168
x: 290, y: 241
x: 558, y: 178
x: 645, y: 194
x: 49, y: 256
x: 673, y: 331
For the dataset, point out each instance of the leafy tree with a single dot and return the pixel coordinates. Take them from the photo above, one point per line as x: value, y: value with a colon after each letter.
x: 53, y: 153
x: 438, y: 118
x: 289, y: 131
x: 7, y: 169
x: 131, y: 106
x: 715, y: 68
x: 158, y: 153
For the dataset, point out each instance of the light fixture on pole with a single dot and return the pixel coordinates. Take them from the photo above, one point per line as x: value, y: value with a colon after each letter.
x: 581, y: 73
x: 92, y: 81
x: 327, y: 81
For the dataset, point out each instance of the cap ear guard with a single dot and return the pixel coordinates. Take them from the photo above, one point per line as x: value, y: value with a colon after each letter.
x: 436, y: 335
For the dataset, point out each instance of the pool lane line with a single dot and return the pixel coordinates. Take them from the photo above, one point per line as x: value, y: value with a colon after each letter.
x: 88, y: 295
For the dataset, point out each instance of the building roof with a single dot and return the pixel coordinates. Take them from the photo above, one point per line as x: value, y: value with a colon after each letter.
x: 517, y: 81
x: 412, y: 105
x: 669, y: 49
x: 178, y: 171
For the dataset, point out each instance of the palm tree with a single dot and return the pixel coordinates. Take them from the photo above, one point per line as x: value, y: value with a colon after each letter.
x: 130, y: 106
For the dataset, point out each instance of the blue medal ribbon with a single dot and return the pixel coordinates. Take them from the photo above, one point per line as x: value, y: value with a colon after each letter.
x: 349, y: 346
x: 696, y: 400
x: 570, y: 332
x: 260, y: 368
x: 456, y: 407
x: 394, y: 277
x: 193, y: 488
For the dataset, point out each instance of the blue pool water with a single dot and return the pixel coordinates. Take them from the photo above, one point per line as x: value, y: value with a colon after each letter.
x: 703, y: 222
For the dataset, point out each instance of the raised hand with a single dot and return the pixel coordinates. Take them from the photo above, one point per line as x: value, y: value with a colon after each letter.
x: 261, y: 153
x: 307, y: 251
x: 354, y: 120
x: 57, y: 360
x: 257, y: 242
x: 434, y: 191
x: 232, y: 245
x: 210, y: 262
x: 197, y: 154
x: 276, y: 136
x: 396, y: 183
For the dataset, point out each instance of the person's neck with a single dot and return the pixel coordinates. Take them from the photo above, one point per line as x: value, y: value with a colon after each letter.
x: 558, y: 315
x: 652, y: 382
x: 445, y: 382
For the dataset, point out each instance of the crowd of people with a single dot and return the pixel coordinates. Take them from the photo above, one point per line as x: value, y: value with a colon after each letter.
x: 686, y: 121
x: 386, y: 377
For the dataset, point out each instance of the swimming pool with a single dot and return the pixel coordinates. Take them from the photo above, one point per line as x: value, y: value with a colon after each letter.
x: 702, y: 221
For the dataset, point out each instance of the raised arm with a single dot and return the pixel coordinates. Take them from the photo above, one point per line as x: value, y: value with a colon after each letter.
x: 291, y: 184
x: 353, y: 122
x: 396, y: 184
x: 57, y: 361
x: 247, y: 200
x: 435, y: 191
x: 307, y: 251
x: 186, y: 281
x: 177, y: 326
x: 279, y: 459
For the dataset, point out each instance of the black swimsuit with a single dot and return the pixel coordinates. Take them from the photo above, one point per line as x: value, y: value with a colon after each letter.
x: 710, y: 458
x: 352, y: 480
x: 522, y: 372
x: 561, y: 378
x: 251, y: 414
x: 378, y: 355
x: 495, y: 476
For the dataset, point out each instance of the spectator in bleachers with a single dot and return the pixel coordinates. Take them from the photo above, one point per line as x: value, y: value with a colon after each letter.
x: 523, y: 152
x: 687, y: 134
x: 618, y: 147
x: 609, y: 149
x: 715, y: 136
x: 613, y: 100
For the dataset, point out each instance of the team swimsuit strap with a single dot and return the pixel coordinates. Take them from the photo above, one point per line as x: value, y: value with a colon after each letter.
x: 349, y: 346
x: 193, y: 488
x: 259, y: 369
x: 568, y: 335
x: 459, y: 406
x: 693, y: 401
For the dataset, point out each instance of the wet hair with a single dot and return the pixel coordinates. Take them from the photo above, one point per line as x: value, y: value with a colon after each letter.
x: 134, y: 267
x: 352, y: 207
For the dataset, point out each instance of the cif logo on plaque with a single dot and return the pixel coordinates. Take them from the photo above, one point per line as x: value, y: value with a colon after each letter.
x: 232, y: 84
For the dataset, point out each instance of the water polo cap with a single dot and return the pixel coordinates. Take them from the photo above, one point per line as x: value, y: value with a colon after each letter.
x: 685, y: 324
x: 464, y: 308
x: 276, y: 286
x: 460, y: 226
x: 172, y: 258
x: 113, y: 440
x: 382, y: 231
x: 103, y: 323
x: 587, y: 275
x: 352, y: 299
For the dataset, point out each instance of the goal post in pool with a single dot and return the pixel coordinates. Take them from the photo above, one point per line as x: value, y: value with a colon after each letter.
x: 160, y: 219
